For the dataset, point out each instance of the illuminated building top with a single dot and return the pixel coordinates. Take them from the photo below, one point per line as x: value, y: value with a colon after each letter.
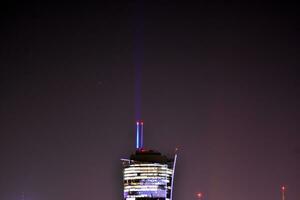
x: 148, y: 174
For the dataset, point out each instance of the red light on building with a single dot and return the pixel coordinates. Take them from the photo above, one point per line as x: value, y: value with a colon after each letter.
x: 283, y: 188
x: 199, y: 195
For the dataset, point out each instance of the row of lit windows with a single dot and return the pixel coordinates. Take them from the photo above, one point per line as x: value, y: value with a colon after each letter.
x: 133, y: 198
x: 143, y: 177
x: 160, y: 193
x: 156, y: 194
x: 148, y: 170
x: 144, y: 187
x: 144, y: 181
x: 147, y: 181
x: 135, y: 185
x: 166, y: 187
x: 147, y: 167
x: 147, y: 174
x: 148, y: 164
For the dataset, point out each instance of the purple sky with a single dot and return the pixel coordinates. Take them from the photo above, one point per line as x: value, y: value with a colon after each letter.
x: 218, y: 80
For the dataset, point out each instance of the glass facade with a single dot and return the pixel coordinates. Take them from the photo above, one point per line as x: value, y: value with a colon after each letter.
x: 150, y: 178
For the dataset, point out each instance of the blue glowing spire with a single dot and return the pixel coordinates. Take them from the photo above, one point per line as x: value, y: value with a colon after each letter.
x: 139, y: 134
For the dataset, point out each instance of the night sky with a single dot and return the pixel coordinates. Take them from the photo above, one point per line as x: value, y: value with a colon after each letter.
x: 219, y: 80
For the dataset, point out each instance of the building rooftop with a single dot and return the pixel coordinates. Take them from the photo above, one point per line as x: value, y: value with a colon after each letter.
x: 151, y: 156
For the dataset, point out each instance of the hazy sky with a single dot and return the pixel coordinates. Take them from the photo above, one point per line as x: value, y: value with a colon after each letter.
x: 219, y: 80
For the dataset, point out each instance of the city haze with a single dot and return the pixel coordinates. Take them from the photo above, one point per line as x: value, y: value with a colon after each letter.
x: 219, y: 81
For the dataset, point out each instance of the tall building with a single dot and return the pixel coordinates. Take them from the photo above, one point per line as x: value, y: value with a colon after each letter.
x: 147, y: 174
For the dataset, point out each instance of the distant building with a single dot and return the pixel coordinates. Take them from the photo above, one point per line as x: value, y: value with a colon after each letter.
x: 147, y: 174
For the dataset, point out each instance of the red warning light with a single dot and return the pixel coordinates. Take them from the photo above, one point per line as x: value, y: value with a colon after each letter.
x: 199, y: 195
x: 283, y: 188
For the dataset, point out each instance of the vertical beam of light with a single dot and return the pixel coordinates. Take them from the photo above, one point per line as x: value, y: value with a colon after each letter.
x: 142, y: 135
x: 138, y: 54
x: 137, y: 146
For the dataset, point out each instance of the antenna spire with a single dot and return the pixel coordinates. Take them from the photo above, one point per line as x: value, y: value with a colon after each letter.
x: 283, y: 190
x: 139, y: 134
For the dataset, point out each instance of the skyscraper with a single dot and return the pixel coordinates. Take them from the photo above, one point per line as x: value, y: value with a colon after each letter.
x: 147, y: 174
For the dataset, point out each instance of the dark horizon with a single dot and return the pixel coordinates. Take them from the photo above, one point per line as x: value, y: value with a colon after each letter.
x: 219, y: 80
